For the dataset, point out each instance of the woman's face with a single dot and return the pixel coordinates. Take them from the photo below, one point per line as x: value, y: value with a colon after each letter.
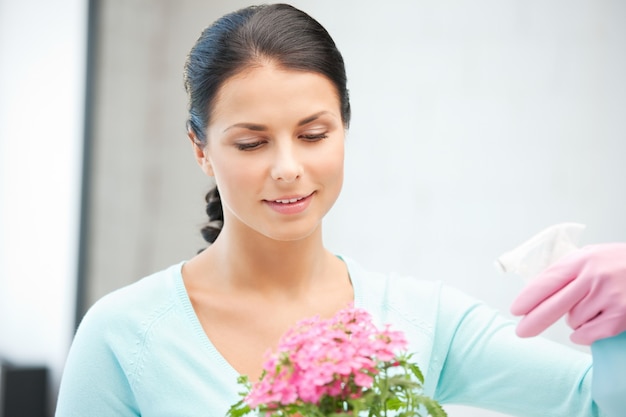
x: 275, y: 146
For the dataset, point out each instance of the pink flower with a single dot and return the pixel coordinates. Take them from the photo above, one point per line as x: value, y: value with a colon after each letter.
x: 330, y: 365
x: 337, y: 358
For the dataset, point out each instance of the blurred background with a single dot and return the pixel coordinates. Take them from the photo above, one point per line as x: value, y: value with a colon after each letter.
x: 475, y: 125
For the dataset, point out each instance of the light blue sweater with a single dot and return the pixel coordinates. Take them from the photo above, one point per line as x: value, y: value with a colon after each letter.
x: 141, y: 351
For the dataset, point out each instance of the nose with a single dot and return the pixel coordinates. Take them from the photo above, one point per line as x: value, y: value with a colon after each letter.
x: 286, y: 165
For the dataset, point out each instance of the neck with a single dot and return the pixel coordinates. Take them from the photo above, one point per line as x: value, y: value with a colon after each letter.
x: 263, y: 264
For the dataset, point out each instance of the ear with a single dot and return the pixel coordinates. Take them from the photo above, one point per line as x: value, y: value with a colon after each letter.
x: 199, y: 151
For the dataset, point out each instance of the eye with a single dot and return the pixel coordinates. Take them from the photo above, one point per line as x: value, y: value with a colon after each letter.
x: 313, y: 137
x: 249, y: 146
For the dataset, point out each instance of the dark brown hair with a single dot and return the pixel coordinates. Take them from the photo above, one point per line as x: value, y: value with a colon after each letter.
x: 278, y: 33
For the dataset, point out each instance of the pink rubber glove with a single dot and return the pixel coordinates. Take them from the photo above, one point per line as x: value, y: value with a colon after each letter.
x: 589, y: 285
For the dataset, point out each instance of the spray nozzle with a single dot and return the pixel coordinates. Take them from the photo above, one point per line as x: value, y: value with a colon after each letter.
x: 540, y: 251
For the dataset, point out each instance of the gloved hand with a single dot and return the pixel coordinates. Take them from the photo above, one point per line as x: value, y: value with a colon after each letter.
x: 589, y: 285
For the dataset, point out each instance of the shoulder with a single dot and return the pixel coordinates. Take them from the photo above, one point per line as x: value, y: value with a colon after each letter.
x: 126, y: 313
x: 424, y: 303
x: 427, y: 311
x: 144, y: 293
x: 401, y: 289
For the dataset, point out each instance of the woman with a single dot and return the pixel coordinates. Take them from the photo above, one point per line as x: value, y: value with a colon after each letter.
x: 268, y: 113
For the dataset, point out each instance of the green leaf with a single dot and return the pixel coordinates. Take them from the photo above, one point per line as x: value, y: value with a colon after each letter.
x: 394, y: 403
x: 238, y: 410
x: 433, y: 407
x: 415, y: 370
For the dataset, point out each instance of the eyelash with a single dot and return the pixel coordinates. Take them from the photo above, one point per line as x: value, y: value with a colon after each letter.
x: 315, y: 137
x: 254, y: 145
x: 248, y: 146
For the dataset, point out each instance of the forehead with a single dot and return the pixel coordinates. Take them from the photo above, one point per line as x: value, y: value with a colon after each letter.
x: 268, y: 92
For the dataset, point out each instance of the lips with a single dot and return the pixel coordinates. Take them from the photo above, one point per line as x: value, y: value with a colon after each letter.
x: 290, y: 204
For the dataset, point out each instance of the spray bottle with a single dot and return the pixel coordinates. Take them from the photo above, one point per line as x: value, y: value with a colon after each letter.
x: 608, y: 387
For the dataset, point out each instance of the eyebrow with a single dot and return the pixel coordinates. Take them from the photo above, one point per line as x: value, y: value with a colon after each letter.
x: 261, y: 128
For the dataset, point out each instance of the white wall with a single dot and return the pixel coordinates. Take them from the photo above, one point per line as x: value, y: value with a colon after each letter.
x: 475, y: 125
x: 42, y: 67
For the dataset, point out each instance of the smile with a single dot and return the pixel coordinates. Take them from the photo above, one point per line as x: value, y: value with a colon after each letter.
x: 290, y: 200
x: 290, y: 205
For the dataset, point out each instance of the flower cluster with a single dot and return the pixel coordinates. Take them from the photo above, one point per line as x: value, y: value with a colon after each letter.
x: 337, y: 367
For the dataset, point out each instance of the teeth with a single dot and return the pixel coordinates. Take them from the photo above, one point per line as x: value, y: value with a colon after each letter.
x: 291, y: 200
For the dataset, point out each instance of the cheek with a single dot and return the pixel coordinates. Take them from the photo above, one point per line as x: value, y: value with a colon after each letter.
x: 232, y: 178
x: 332, y: 167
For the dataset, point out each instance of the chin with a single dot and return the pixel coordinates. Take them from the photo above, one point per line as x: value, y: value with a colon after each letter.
x: 292, y: 234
